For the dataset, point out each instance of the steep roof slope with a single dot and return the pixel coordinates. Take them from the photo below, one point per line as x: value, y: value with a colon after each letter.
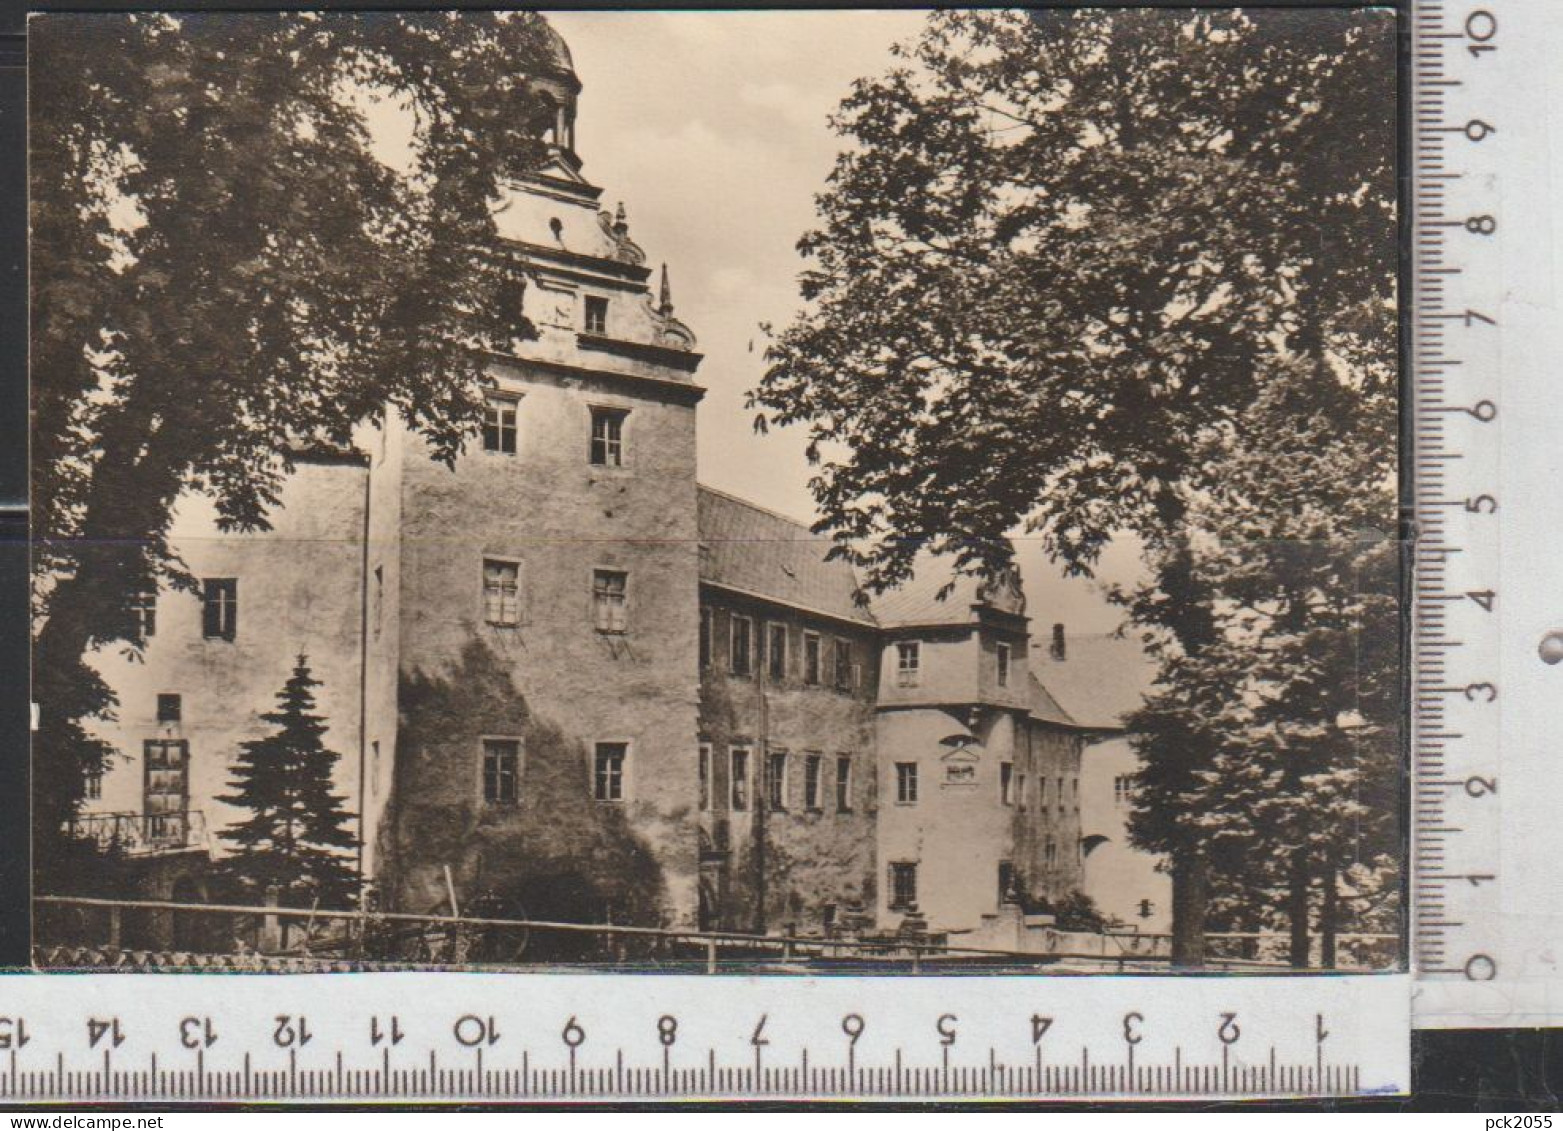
x: 1045, y: 708
x: 1100, y: 680
x: 917, y: 600
x: 766, y: 555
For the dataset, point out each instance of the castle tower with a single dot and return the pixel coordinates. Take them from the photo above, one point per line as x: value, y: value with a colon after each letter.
x: 542, y: 682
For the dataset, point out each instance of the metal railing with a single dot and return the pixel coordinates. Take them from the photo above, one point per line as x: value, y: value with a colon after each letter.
x: 432, y: 940
x: 141, y: 834
x: 402, y: 939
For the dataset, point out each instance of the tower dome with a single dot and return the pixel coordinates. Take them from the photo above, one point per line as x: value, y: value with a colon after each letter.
x: 557, y: 82
x: 562, y: 63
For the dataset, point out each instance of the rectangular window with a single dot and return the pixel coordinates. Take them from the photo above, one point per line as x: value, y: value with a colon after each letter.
x: 903, y: 886
x: 374, y: 768
x: 739, y: 779
x: 776, y: 652
x: 501, y: 770
x: 811, y: 774
x: 908, y: 663
x: 1050, y: 853
x: 610, y: 600
x: 1123, y: 789
x: 143, y: 607
x: 499, y: 425
x: 811, y: 659
x: 1060, y: 794
x: 596, y: 314
x: 1007, y: 782
x: 843, y: 664
x: 705, y: 776
x: 608, y: 771
x: 169, y: 708
x: 162, y: 753
x: 92, y: 786
x: 608, y: 437
x: 776, y: 780
x: 167, y: 788
x: 843, y: 783
x: 906, y: 783
x: 501, y: 592
x: 705, y: 638
x: 742, y: 642
x: 1007, y: 889
x: 1020, y: 790
x: 1003, y: 654
x: 220, y: 608
x: 1074, y: 792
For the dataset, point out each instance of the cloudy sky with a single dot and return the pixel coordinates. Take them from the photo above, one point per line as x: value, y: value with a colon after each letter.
x: 711, y: 127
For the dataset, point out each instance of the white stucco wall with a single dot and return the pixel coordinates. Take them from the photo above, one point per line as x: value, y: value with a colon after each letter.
x: 1118, y: 876
x: 299, y: 590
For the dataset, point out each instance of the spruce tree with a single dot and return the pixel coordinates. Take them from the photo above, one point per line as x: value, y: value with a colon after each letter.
x: 296, y: 837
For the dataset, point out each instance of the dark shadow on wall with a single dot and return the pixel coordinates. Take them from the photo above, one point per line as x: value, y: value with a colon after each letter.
x: 815, y: 878
x: 554, y: 853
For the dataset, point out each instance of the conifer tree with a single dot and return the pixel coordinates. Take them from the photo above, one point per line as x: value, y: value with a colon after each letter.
x: 1270, y: 743
x: 296, y: 837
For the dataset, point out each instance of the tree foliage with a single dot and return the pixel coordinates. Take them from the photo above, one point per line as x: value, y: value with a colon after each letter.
x: 230, y: 264
x: 295, y: 837
x: 1097, y: 274
x: 1060, y: 249
x: 1271, y: 745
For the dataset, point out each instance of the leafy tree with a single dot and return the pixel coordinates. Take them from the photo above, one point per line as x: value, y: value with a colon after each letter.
x: 1270, y: 749
x: 1060, y: 263
x: 296, y: 838
x: 228, y: 267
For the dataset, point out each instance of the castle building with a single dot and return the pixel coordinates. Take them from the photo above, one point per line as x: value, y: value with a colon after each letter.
x: 1100, y: 679
x: 563, y: 675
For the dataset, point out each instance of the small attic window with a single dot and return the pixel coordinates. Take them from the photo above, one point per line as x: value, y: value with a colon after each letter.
x: 556, y: 226
x: 596, y: 314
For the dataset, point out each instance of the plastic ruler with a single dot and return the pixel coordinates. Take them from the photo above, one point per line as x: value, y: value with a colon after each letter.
x: 1487, y: 417
x: 407, y: 1036
x: 1487, y: 888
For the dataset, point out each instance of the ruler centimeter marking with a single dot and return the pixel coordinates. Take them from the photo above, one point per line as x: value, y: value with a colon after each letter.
x: 1455, y: 432
x: 624, y: 1036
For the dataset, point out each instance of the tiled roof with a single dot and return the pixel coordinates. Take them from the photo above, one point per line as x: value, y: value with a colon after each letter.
x: 1100, y: 680
x: 769, y: 556
x: 918, y: 601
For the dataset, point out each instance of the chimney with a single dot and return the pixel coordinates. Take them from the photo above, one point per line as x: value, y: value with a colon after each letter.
x: 1059, y: 650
